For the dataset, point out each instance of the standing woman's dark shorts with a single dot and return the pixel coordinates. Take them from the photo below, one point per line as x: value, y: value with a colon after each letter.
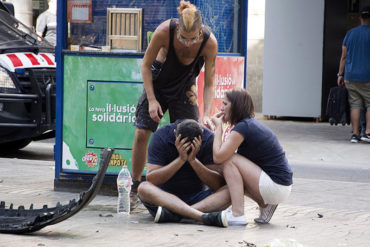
x: 183, y: 106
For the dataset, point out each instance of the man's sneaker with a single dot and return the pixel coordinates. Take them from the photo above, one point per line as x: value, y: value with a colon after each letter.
x: 234, y: 220
x: 266, y: 214
x: 365, y: 137
x: 215, y: 219
x: 355, y: 138
x: 165, y: 215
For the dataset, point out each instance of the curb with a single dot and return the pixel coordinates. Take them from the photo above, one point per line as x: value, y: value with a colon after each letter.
x: 326, y: 171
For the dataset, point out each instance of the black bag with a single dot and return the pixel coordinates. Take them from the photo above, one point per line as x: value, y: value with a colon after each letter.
x: 337, y: 109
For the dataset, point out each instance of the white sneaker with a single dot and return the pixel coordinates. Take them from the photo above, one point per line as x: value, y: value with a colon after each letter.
x: 234, y: 220
x: 266, y: 214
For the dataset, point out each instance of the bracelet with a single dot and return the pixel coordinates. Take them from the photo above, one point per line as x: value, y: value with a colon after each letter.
x: 339, y: 74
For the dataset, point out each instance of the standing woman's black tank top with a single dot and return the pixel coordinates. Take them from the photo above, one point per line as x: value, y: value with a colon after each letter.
x: 176, y: 78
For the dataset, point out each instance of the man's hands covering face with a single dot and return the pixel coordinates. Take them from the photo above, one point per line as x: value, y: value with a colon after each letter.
x: 188, y: 150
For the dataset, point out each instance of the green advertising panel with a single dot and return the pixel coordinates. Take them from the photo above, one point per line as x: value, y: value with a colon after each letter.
x: 111, y: 106
x: 99, y: 105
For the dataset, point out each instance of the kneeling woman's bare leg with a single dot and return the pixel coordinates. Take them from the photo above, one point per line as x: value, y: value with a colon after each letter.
x: 242, y: 177
x: 151, y: 194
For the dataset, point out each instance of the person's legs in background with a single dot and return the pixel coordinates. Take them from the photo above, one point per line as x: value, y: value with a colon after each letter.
x: 356, y: 103
x: 355, y: 122
x: 363, y: 121
x: 366, y: 129
x: 365, y: 111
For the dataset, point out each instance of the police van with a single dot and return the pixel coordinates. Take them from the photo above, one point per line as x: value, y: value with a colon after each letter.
x: 27, y: 83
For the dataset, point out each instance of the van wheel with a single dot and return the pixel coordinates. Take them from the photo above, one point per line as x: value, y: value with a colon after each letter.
x: 15, y: 145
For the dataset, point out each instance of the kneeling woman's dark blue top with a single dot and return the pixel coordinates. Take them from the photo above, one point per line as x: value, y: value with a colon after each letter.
x: 262, y: 147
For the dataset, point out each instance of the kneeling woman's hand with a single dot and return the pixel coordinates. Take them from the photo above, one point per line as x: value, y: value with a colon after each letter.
x: 217, y: 119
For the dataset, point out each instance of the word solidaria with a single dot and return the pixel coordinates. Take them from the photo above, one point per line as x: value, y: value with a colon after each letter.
x: 114, y: 118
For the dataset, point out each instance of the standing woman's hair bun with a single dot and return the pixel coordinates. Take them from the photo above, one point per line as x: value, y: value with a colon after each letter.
x: 190, y: 18
x: 185, y: 5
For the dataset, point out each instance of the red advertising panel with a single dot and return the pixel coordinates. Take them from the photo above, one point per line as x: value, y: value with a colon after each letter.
x: 229, y: 74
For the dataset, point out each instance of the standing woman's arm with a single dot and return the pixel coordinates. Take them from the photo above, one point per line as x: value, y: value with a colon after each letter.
x: 210, y: 54
x: 159, y: 40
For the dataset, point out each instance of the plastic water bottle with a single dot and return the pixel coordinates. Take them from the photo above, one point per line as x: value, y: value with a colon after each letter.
x: 124, y: 182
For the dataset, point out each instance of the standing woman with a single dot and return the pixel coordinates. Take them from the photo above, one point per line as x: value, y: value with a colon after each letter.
x: 174, y: 58
x: 259, y: 168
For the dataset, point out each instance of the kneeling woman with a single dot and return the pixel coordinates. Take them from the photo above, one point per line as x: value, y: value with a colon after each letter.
x: 259, y: 168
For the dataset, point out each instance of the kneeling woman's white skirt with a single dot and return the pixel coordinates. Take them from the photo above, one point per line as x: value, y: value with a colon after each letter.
x: 271, y: 192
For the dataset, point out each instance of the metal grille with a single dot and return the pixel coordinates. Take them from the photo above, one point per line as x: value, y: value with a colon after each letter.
x: 44, y: 77
x: 46, y: 87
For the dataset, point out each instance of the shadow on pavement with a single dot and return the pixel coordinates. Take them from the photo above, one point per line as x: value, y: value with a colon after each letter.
x: 36, y: 150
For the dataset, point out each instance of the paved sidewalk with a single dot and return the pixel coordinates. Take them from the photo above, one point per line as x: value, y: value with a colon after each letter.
x: 329, y: 205
x: 319, y: 150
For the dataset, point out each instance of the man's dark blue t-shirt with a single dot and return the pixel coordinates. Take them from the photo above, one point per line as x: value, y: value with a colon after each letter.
x: 261, y: 146
x: 162, y: 151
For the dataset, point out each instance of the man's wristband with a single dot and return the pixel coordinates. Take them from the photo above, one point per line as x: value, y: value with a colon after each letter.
x: 339, y: 75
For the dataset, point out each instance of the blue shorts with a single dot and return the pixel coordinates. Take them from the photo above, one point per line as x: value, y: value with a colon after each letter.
x: 189, y: 199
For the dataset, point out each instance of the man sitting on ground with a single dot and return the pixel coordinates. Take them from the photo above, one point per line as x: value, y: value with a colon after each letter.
x: 179, y: 162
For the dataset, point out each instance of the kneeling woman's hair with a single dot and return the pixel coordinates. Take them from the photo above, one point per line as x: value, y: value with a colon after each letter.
x: 241, y: 105
x: 189, y: 128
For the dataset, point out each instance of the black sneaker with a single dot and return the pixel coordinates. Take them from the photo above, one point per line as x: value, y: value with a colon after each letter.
x: 355, y: 138
x: 165, y: 215
x: 365, y: 137
x: 215, y: 219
